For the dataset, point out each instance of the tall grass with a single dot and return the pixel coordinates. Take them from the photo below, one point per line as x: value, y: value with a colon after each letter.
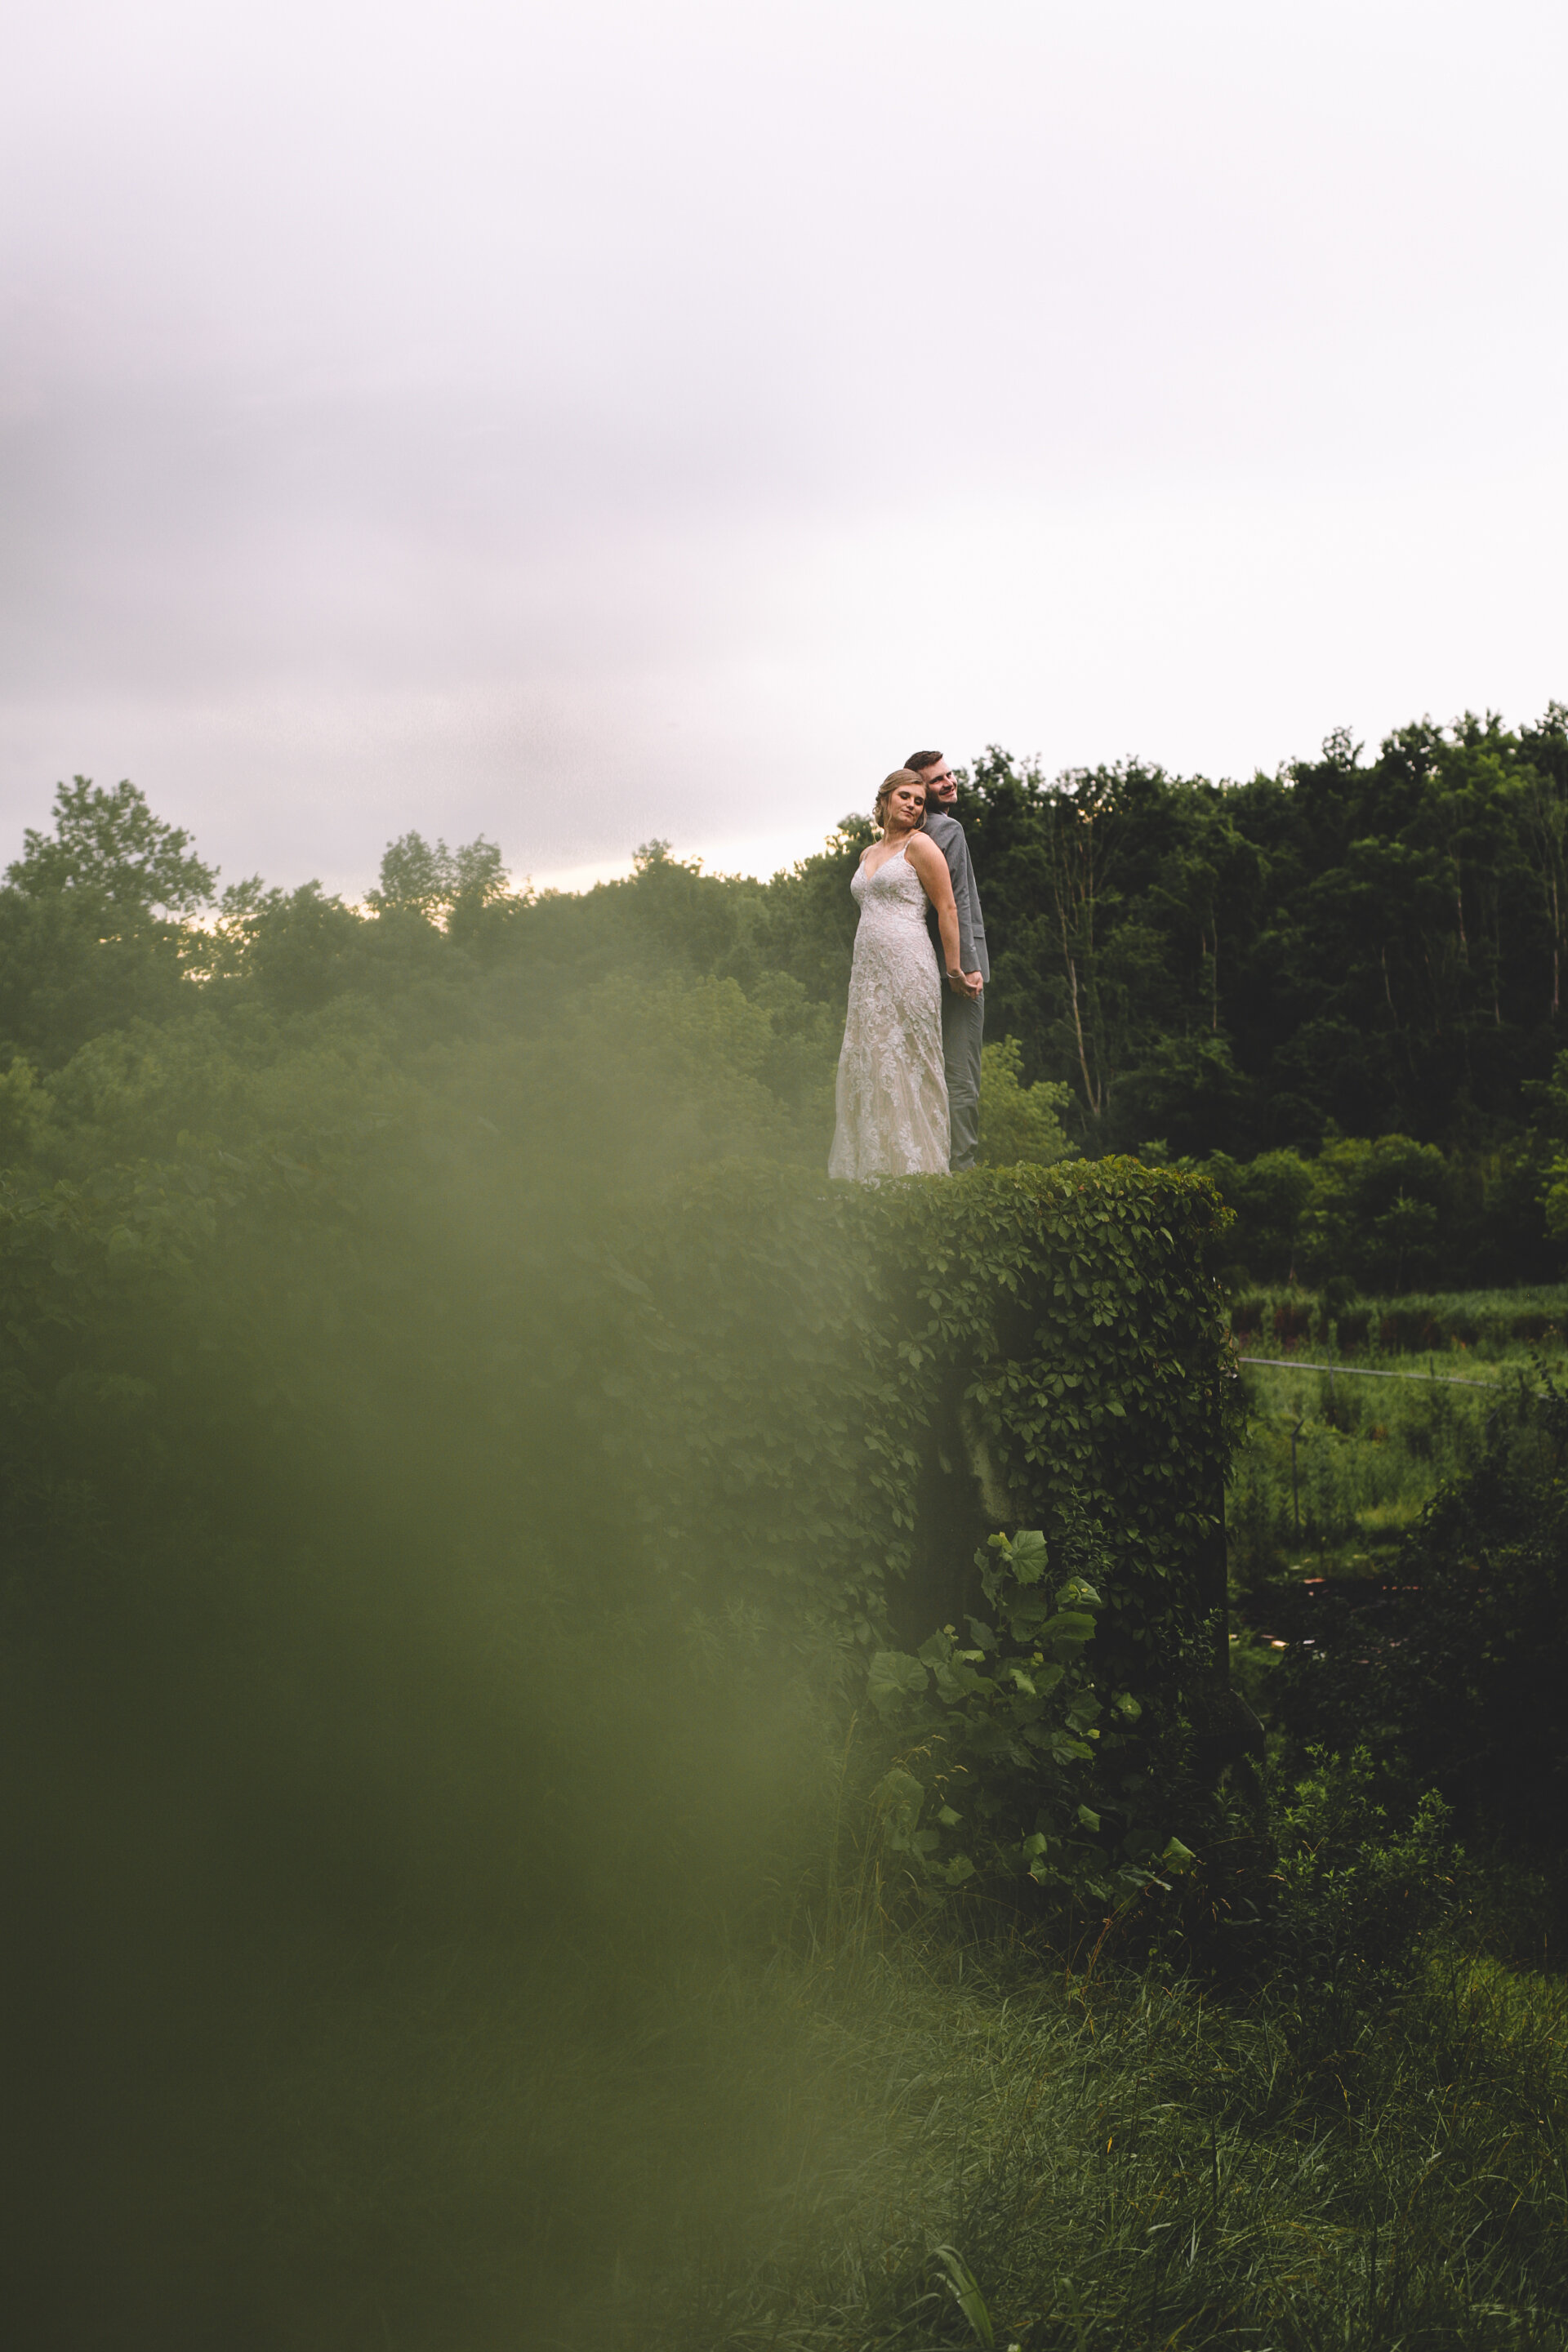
x: 1368, y: 1455
x: 1403, y: 1410
x: 1497, y: 1322
x: 917, y: 2145
x: 998, y: 2157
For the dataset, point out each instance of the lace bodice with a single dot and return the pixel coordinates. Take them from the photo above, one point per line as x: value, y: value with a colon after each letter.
x: 891, y: 1095
x: 895, y: 883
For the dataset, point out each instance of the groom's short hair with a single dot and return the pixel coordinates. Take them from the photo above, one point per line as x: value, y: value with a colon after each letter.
x: 920, y: 761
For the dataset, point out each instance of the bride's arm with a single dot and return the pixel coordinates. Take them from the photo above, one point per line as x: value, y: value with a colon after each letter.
x: 937, y: 882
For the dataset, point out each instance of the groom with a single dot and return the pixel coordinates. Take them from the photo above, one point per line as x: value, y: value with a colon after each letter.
x: 962, y: 1003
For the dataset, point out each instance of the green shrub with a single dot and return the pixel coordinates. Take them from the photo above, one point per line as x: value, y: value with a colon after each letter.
x: 1020, y: 1123
x: 1270, y: 1196
x: 1008, y: 1723
x: 1354, y: 1894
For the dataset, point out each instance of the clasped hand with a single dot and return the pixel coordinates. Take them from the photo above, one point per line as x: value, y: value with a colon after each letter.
x: 965, y: 984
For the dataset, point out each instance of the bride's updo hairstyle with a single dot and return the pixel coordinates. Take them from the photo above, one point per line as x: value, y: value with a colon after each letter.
x: 889, y: 785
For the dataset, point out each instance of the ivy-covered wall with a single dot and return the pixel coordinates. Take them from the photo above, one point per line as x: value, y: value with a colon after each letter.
x: 979, y: 1426
x: 758, y: 1385
x: 973, y: 1431
x: 835, y: 1393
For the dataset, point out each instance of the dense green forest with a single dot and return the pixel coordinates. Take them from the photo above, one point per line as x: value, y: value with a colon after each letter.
x: 1373, y: 945
x: 1339, y: 989
x: 609, y: 1742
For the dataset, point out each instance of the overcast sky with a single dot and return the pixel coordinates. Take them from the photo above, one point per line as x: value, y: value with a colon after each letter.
x: 579, y: 424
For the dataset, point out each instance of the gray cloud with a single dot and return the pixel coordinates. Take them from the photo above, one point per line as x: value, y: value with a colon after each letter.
x: 583, y: 426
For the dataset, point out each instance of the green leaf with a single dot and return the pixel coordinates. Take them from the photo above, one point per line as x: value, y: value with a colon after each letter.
x: 1026, y: 1556
x: 956, y: 1681
x: 1071, y: 1625
x: 1027, y: 1612
x: 967, y: 2294
x: 894, y: 1677
x: 1088, y: 1817
x: 896, y: 1801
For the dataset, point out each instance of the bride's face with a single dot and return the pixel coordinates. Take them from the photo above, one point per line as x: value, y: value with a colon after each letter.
x: 906, y: 806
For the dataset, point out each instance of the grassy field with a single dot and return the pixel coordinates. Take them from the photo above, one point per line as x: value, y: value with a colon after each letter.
x: 1334, y: 1469
x: 1336, y: 1466
x: 997, y: 2160
x: 1499, y: 1322
x: 898, y: 2147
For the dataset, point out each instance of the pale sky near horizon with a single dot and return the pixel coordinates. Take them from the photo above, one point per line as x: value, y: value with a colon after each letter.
x: 587, y: 425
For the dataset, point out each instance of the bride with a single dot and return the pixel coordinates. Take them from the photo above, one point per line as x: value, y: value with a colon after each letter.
x: 891, y: 1094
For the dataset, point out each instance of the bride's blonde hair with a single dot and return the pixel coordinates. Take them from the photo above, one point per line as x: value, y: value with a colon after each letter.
x: 889, y: 785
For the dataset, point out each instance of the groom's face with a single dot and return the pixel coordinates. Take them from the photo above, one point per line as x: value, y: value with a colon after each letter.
x: 941, y: 791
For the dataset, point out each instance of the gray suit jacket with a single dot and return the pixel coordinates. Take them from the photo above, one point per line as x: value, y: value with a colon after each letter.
x: 948, y: 835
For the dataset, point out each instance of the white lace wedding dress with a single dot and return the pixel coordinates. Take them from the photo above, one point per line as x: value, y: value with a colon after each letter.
x: 892, y: 1096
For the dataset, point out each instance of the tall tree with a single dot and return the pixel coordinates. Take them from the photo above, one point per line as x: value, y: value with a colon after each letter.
x: 111, y: 841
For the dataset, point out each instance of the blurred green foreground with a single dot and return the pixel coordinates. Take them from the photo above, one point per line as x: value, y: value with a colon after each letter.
x: 416, y: 1939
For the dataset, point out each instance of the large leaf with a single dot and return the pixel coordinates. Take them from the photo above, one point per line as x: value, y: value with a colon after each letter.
x: 898, y: 1798
x: 1026, y: 1556
x: 894, y: 1677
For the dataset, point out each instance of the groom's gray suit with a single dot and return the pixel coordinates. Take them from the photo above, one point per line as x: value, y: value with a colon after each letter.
x: 962, y: 1017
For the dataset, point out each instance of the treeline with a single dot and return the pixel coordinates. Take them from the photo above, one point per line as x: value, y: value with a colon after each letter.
x: 638, y: 1028
x: 1339, y: 989
x: 1247, y: 975
x: 1375, y: 946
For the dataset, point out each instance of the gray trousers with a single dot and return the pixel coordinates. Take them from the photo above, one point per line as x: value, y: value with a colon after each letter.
x: 963, y: 1019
